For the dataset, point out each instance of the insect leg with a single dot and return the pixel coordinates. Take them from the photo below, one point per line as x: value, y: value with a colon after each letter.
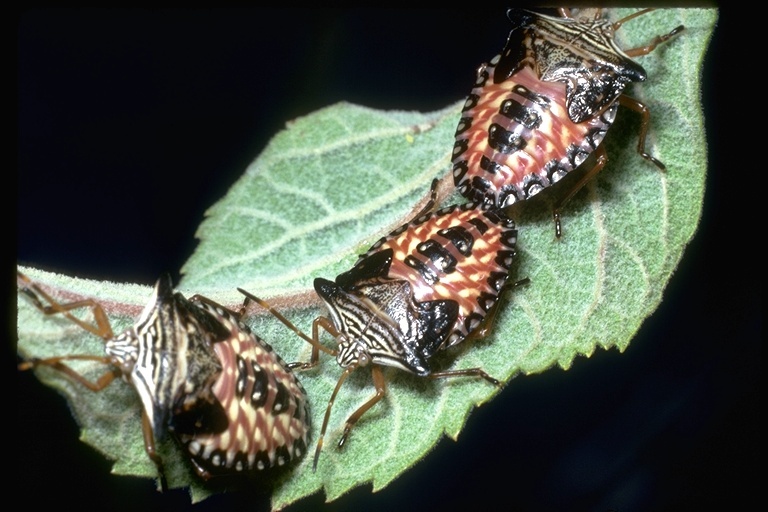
x: 648, y: 48
x: 484, y: 329
x: 380, y: 384
x: 601, y: 159
x: 431, y: 202
x: 149, y: 447
x: 101, y: 329
x: 645, y: 113
x: 466, y: 372
x: 319, y: 447
x: 57, y: 364
x: 314, y: 340
x: 33, y: 292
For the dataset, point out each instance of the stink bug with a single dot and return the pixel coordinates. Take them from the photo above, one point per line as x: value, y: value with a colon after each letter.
x: 542, y: 106
x: 201, y: 374
x: 426, y: 286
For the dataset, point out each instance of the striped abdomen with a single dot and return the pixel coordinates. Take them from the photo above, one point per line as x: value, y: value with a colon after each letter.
x: 515, y: 138
x: 461, y: 253
x: 266, y: 408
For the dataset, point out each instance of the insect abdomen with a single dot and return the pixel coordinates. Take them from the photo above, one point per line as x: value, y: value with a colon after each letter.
x: 265, y: 407
x: 461, y: 253
x: 515, y: 138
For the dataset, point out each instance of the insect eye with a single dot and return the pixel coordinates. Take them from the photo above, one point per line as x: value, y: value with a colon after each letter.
x: 363, y: 358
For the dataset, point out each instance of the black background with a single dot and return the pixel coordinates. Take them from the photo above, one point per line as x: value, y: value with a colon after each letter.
x: 132, y: 122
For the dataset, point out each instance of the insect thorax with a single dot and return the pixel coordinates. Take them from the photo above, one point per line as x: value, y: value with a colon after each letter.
x: 167, y: 357
x: 380, y: 322
x: 580, y: 53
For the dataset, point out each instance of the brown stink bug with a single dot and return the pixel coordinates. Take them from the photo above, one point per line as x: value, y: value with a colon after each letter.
x: 426, y: 286
x: 201, y: 375
x: 543, y: 106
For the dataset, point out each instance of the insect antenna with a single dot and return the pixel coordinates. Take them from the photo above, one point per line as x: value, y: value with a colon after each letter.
x: 327, y: 416
x: 644, y: 50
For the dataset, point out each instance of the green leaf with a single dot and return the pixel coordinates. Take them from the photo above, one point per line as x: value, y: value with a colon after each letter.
x: 321, y: 192
x: 332, y: 183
